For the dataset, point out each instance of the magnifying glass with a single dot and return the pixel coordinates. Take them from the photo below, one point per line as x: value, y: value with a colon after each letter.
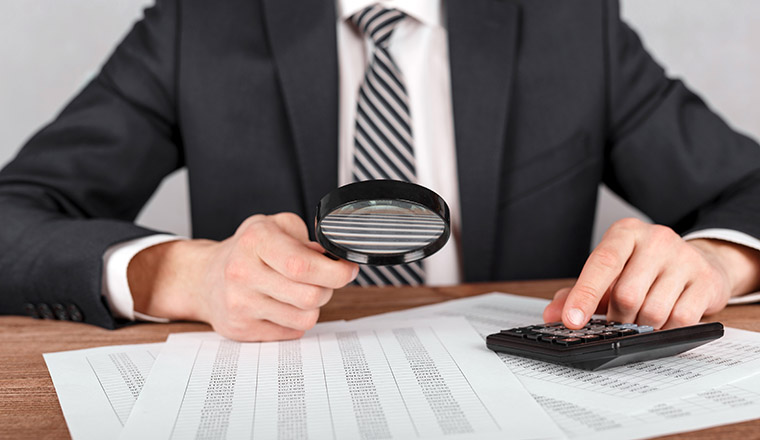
x: 382, y: 222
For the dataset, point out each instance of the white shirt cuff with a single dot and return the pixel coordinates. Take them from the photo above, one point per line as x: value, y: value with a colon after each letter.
x: 115, y: 283
x: 736, y: 237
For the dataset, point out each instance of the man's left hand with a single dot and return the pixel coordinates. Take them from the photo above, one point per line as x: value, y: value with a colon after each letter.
x: 649, y: 275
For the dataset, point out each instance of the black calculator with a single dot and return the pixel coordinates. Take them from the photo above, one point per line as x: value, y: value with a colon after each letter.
x: 600, y: 344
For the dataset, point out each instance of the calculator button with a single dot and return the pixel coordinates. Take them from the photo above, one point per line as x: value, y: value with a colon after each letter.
x: 548, y: 338
x: 533, y: 336
x: 609, y: 335
x: 627, y: 332
x: 546, y: 331
x: 589, y: 338
x: 569, y: 341
x: 516, y: 332
x: 645, y: 328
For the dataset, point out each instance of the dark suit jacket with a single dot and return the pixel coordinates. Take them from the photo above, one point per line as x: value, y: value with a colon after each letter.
x: 550, y: 99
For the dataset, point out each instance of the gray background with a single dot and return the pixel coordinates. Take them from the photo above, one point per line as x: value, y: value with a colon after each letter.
x: 50, y: 48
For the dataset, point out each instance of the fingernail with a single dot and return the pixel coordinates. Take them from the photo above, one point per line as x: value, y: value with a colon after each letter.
x: 576, y: 316
x: 356, y: 272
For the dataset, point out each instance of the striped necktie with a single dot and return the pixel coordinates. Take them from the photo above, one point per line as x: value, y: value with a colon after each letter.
x: 383, y: 144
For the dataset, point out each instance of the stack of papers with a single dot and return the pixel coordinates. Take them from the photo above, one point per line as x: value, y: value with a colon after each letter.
x: 418, y: 373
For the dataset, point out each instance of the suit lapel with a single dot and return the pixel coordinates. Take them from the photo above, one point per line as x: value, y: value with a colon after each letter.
x: 482, y: 49
x: 304, y: 46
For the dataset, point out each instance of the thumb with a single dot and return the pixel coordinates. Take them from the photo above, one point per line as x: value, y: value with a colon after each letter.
x: 313, y: 245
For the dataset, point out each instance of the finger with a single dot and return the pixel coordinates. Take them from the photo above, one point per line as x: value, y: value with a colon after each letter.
x: 660, y: 300
x: 286, y: 315
x: 304, y: 296
x: 634, y: 283
x: 689, y: 307
x: 316, y: 247
x: 600, y: 271
x: 258, y: 331
x: 553, y: 311
x: 299, y: 263
x: 292, y: 224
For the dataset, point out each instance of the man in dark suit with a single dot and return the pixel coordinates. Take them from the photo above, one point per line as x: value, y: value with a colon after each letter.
x: 547, y: 100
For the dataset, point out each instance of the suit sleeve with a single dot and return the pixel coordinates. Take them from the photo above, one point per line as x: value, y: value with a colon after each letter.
x: 76, y: 187
x: 668, y: 154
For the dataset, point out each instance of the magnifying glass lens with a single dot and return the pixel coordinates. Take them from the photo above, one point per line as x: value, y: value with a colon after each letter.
x: 382, y: 227
x: 382, y: 222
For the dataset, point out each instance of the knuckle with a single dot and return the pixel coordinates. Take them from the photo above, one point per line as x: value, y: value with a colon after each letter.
x: 654, y: 315
x: 291, y: 223
x: 310, y: 298
x: 682, y: 316
x: 250, y: 221
x: 627, y: 223
x: 233, y: 305
x: 585, y: 295
x: 289, y: 218
x: 626, y: 298
x: 296, y: 267
x: 663, y: 233
x: 252, y: 234
x: 306, y: 320
x: 606, y: 258
x: 235, y: 270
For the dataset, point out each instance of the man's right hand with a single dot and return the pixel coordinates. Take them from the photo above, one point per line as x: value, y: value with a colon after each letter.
x: 267, y: 282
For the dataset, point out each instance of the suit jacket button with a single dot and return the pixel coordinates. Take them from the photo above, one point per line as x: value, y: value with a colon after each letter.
x: 44, y: 311
x: 74, y: 313
x: 60, y: 312
x: 30, y: 310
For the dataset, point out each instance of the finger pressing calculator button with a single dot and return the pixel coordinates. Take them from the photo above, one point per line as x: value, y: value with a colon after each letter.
x: 569, y: 341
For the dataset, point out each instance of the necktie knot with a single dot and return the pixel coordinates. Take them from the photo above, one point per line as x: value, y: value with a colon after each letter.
x: 377, y: 23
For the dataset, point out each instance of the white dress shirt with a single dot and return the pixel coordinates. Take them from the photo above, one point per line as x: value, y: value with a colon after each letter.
x: 419, y: 45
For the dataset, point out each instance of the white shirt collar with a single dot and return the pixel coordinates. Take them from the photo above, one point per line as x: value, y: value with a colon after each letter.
x: 426, y: 11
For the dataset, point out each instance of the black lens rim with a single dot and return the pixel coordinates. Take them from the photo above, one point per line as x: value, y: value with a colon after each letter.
x: 382, y: 190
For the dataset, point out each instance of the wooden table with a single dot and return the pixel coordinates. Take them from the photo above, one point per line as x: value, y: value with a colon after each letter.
x: 29, y: 406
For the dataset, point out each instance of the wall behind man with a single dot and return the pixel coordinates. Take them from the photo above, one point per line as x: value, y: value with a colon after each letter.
x: 49, y: 49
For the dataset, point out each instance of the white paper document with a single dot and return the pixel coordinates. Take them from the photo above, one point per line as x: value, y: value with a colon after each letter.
x: 429, y: 379
x: 732, y: 403
x: 97, y: 387
x: 634, y: 387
